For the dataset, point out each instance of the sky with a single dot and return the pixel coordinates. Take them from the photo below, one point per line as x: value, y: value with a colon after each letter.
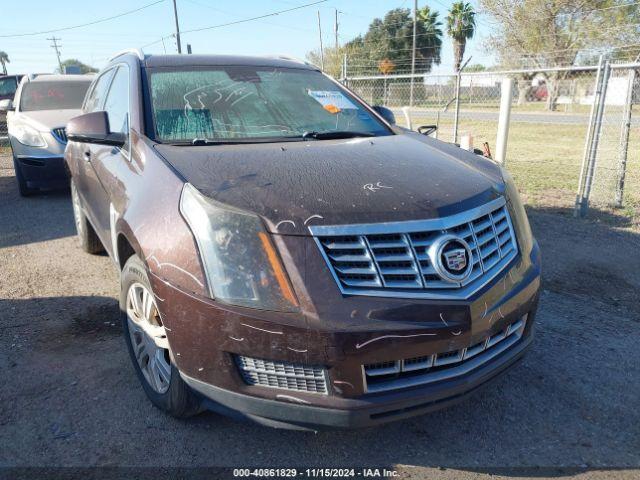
x: 292, y: 33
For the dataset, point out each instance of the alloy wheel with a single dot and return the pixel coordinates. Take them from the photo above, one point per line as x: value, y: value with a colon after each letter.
x: 148, y: 338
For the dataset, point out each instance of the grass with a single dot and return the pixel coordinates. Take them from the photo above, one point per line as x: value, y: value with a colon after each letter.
x: 545, y: 161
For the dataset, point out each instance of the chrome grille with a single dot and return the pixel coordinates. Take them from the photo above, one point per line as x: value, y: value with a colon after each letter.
x: 284, y: 375
x: 392, y: 375
x: 391, y: 259
x: 60, y: 134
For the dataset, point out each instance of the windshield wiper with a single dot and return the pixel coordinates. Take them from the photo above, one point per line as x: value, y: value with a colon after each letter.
x: 236, y: 141
x: 335, y: 134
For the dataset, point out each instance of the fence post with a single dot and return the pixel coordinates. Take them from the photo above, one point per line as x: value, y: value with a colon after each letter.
x: 345, y: 74
x: 624, y: 138
x: 588, y: 140
x: 456, y: 113
x: 503, y: 121
x: 593, y: 150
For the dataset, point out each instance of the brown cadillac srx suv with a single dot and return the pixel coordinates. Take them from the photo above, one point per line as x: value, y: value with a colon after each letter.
x: 287, y: 253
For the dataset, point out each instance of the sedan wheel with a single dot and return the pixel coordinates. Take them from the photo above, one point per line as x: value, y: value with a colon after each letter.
x: 148, y: 338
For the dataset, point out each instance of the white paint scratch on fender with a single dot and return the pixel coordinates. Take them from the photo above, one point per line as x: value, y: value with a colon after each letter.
x: 360, y: 345
x: 261, y: 329
x: 285, y: 221
x: 289, y: 397
x: 312, y: 217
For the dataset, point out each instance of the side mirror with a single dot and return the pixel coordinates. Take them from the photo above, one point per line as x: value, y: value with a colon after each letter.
x: 94, y: 128
x: 6, y: 105
x: 385, y: 113
x: 427, y: 129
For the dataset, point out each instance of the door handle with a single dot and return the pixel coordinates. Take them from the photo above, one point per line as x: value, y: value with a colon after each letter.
x: 87, y: 155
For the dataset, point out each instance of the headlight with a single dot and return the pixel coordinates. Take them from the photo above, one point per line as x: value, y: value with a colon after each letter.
x: 518, y: 213
x: 241, y: 264
x: 28, y: 136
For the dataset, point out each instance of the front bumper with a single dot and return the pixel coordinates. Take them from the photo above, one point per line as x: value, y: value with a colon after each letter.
x: 41, y: 167
x: 206, y: 337
x: 43, y: 171
x: 366, y: 412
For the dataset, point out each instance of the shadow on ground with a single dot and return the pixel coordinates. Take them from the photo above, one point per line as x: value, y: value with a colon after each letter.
x: 43, y: 216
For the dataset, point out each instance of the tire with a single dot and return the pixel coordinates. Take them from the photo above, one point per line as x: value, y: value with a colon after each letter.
x: 87, y: 236
x: 148, y: 346
x: 24, y: 190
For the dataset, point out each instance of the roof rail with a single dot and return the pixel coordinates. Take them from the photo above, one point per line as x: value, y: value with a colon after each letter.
x: 134, y: 51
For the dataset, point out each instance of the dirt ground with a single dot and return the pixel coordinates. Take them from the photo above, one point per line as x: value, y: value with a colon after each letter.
x: 69, y: 396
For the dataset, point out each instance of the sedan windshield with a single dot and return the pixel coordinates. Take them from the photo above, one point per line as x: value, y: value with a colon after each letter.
x: 53, y: 95
x: 246, y: 102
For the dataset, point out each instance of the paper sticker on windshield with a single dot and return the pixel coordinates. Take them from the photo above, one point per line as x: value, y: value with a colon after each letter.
x: 332, y: 101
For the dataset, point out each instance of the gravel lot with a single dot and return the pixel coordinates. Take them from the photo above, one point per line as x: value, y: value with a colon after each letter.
x: 69, y: 396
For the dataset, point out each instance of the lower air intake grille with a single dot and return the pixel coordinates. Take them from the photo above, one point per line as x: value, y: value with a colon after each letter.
x: 60, y: 134
x: 284, y: 375
x: 397, y: 374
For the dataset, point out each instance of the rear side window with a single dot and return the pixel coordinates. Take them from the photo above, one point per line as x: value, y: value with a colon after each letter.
x: 117, y: 104
x: 99, y: 91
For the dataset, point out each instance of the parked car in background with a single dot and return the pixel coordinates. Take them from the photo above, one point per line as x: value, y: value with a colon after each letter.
x: 36, y: 121
x: 8, y: 86
x: 288, y: 255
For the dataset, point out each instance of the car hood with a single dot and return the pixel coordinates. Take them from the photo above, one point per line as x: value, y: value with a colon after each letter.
x: 45, y: 120
x: 294, y: 185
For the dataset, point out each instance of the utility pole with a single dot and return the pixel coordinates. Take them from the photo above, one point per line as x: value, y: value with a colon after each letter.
x: 413, y: 50
x: 57, y: 47
x: 175, y: 13
x: 321, y: 47
x: 336, y: 31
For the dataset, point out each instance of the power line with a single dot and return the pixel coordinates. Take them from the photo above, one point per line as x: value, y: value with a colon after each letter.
x: 244, y: 20
x: 106, y: 19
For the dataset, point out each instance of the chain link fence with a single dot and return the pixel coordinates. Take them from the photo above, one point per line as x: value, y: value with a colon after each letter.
x: 549, y: 123
x: 4, y: 140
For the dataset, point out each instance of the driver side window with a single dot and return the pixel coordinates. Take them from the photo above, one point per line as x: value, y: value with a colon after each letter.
x: 117, y: 103
x: 94, y: 101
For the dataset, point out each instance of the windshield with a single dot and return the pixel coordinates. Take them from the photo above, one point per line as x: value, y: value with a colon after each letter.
x: 247, y: 102
x: 8, y: 86
x: 53, y: 95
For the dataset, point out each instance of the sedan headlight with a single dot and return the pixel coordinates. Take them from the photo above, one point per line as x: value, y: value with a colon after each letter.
x: 518, y: 213
x: 28, y: 136
x: 241, y: 264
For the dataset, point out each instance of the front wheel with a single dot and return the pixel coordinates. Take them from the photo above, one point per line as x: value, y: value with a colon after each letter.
x: 148, y: 345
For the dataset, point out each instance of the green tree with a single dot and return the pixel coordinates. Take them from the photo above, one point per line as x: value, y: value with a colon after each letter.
x: 84, y: 68
x: 391, y: 38
x: 4, y: 59
x: 550, y: 33
x: 475, y: 67
x: 461, y: 26
x: 333, y: 59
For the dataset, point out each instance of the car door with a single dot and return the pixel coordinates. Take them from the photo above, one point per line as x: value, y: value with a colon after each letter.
x: 107, y: 161
x: 86, y: 179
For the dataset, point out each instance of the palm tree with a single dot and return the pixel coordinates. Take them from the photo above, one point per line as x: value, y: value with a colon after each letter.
x: 4, y: 59
x: 431, y: 38
x: 461, y: 25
